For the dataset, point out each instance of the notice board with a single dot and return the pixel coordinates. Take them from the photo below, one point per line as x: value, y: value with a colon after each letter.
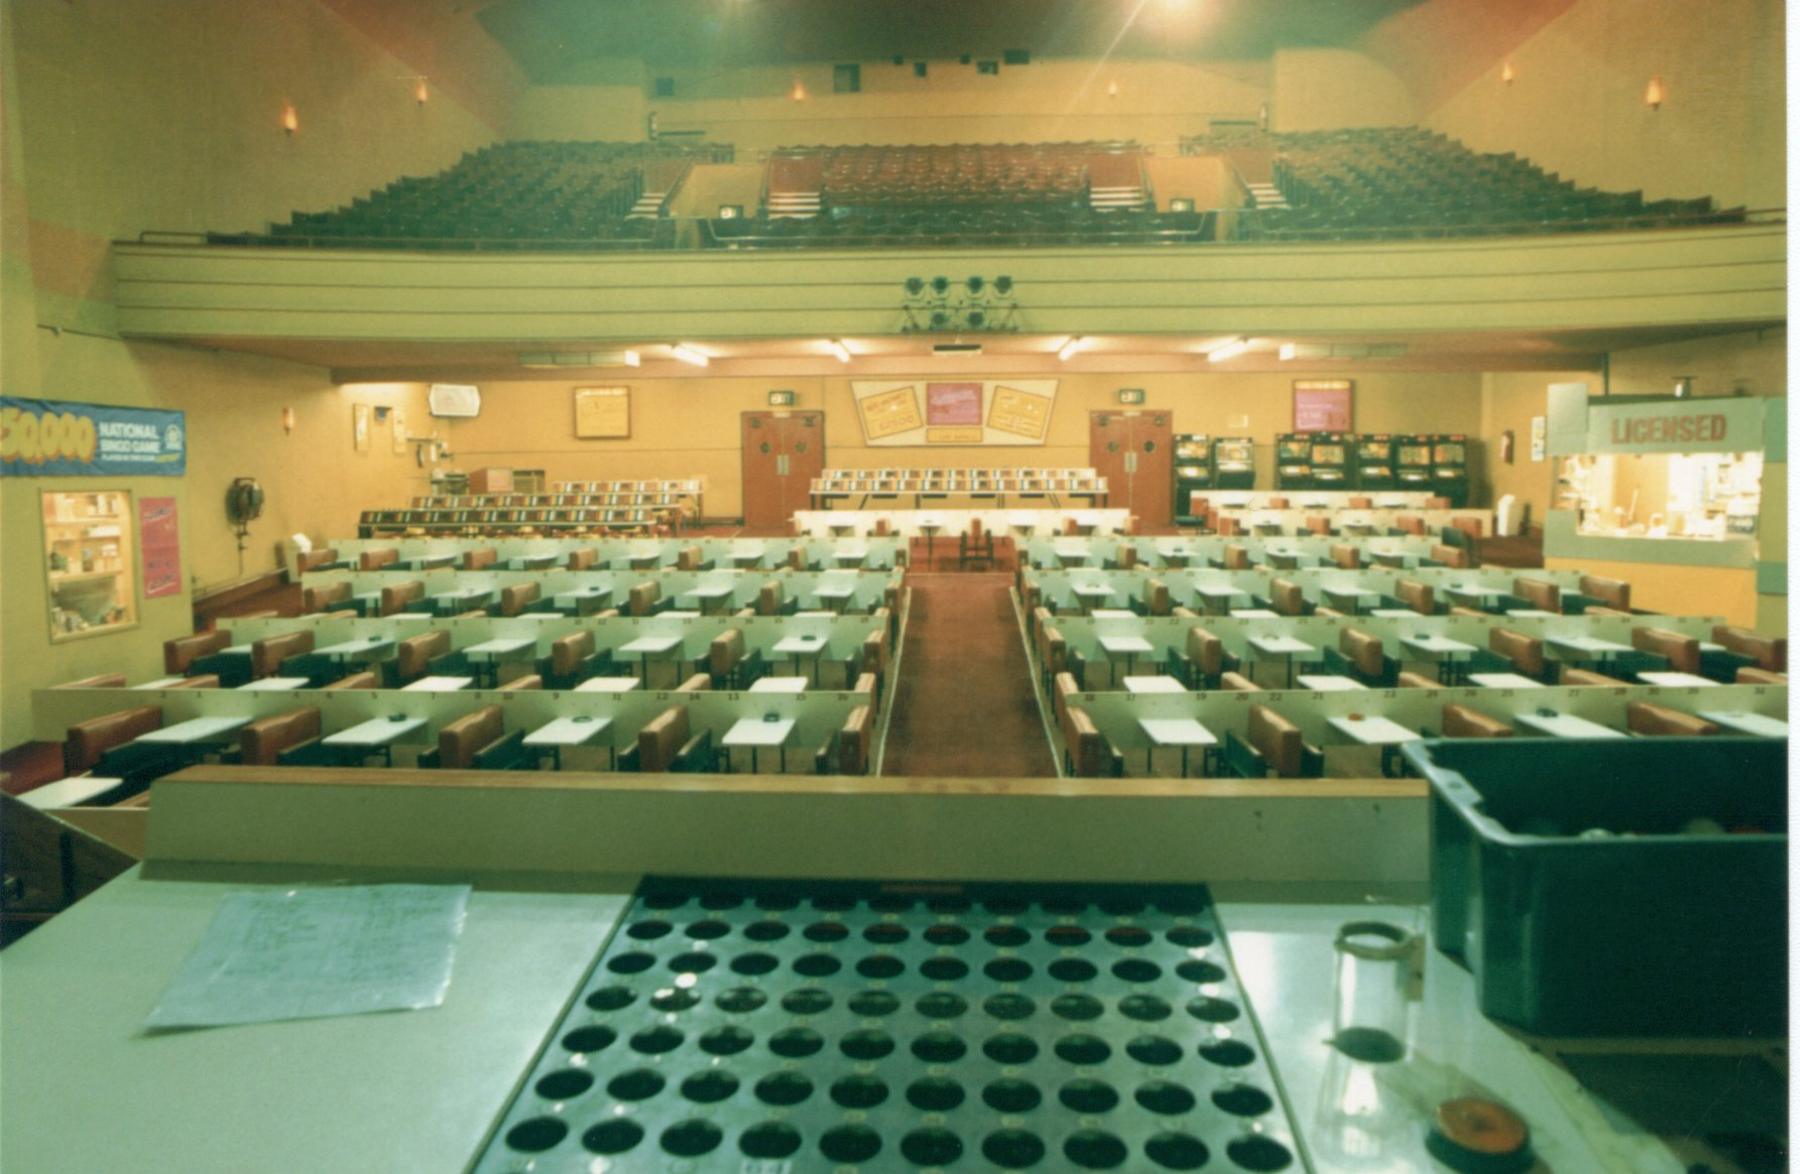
x: 1322, y: 405
x: 603, y: 413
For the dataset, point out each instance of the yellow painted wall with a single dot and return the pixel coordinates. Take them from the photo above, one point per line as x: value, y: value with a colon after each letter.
x: 1576, y: 104
x: 1205, y: 179
x: 1156, y: 102
x: 1323, y: 89
x: 683, y: 427
x: 1509, y: 399
x: 1754, y: 362
x: 143, y: 116
x: 1694, y: 591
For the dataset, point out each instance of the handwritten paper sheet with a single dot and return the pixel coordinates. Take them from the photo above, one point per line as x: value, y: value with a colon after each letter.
x: 317, y: 952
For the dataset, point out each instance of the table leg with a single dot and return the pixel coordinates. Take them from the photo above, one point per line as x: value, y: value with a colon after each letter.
x: 1184, y: 762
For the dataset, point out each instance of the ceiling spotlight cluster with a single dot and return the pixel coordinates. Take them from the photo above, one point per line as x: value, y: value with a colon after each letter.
x: 976, y: 303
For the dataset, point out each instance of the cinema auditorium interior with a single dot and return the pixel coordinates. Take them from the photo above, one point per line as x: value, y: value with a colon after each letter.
x: 795, y: 585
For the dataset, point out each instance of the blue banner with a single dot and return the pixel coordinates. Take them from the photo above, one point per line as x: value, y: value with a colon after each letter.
x: 51, y: 438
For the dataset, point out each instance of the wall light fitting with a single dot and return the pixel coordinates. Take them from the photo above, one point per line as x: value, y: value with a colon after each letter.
x: 1070, y: 349
x: 836, y: 347
x: 689, y: 355
x: 1228, y: 350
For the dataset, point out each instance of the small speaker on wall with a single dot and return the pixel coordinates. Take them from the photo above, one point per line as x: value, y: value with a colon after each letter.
x: 1016, y: 56
x: 920, y: 69
x: 664, y: 87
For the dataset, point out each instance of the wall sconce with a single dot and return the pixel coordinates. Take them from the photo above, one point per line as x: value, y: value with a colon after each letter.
x: 422, y: 92
x: 290, y: 118
x: 1507, y: 74
x: 287, y: 420
x: 1654, y: 93
x: 798, y: 93
x: 1112, y: 89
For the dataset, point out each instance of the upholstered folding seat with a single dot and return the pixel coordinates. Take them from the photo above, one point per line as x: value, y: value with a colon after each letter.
x: 1650, y: 719
x: 399, y: 597
x: 183, y: 651
x: 1460, y: 721
x: 86, y: 741
x: 374, y: 560
x: 1682, y: 652
x: 267, y: 654
x: 264, y: 739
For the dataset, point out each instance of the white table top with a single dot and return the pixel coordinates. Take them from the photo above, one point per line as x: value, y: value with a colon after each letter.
x: 1113, y: 613
x: 833, y: 590
x: 1530, y: 613
x: 1219, y: 591
x: 1126, y: 645
x: 275, y: 684
x: 239, y: 649
x: 377, y: 731
x: 1161, y: 683
x: 608, y: 685
x: 1177, y: 731
x: 361, y: 646
x: 1350, y: 592
x: 1373, y: 731
x: 1433, y: 644
x: 814, y: 615
x: 589, y: 591
x: 1254, y: 613
x: 464, y: 593
x: 196, y: 729
x: 160, y: 683
x: 1505, y: 681
x: 709, y: 591
x: 1472, y: 591
x: 438, y: 685
x: 1565, y: 725
x: 578, y: 730
x: 796, y: 645
x: 1092, y: 590
x: 1744, y: 722
x: 778, y: 685
x: 1589, y: 644
x: 1281, y: 645
x: 754, y: 731
x: 854, y: 552
x: 645, y: 645
x: 501, y: 645
x: 70, y: 792
x: 1329, y: 683
x: 1678, y: 680
x: 1394, y: 613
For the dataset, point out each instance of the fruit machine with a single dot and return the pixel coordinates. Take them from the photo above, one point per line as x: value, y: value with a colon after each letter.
x: 1412, y: 463
x: 1293, y: 460
x: 1193, y: 474
x: 1374, y: 456
x: 1331, y: 460
x: 1450, y: 468
x: 1234, y: 462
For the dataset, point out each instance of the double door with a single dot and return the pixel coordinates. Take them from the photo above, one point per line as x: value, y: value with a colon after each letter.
x: 783, y: 453
x: 1135, y: 452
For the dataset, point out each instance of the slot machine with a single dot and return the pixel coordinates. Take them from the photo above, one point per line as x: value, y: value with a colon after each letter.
x: 1331, y: 460
x: 1450, y: 468
x: 1293, y: 460
x: 1234, y: 462
x: 1412, y: 463
x: 1193, y: 473
x: 1374, y: 461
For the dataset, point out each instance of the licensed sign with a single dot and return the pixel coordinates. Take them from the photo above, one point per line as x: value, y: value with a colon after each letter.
x: 1705, y: 424
x: 54, y: 438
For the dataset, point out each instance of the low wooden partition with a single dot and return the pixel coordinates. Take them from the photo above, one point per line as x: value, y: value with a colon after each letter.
x: 1186, y: 587
x: 869, y: 551
x: 869, y: 589
x: 1163, y: 633
x: 1294, y: 521
x: 1316, y: 499
x: 949, y: 523
x: 1199, y: 551
x: 1118, y: 715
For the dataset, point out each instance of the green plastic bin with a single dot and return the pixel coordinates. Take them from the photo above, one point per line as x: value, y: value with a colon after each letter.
x: 1655, y: 933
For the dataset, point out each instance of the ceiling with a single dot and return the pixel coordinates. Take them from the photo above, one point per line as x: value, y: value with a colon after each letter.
x: 559, y: 41
x: 1008, y: 354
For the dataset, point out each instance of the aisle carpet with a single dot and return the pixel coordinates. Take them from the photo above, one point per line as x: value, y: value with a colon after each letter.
x: 963, y: 706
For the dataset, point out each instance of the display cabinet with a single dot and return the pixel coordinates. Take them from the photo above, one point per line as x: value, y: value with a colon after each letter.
x: 90, y: 562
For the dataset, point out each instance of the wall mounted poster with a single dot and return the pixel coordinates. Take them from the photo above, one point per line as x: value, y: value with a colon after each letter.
x: 159, y: 538
x: 1322, y: 405
x: 603, y: 413
x: 959, y: 413
x: 359, y: 426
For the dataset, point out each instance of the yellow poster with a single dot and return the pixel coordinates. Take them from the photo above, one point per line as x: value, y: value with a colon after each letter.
x: 602, y: 413
x: 1019, y: 413
x: 890, y: 413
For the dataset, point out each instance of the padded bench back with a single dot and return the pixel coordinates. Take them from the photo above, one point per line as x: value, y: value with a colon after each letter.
x: 583, y: 558
x: 1683, y: 652
x: 1277, y: 739
x: 267, y: 654
x: 267, y: 737
x: 1345, y: 556
x: 87, y: 741
x: 515, y: 596
x: 1362, y: 650
x: 1525, y: 652
x: 1205, y: 651
x: 374, y: 560
x: 1770, y: 651
x: 567, y: 652
x: 1416, y: 595
x: 415, y: 653
x: 480, y: 558
x: 1460, y: 721
x: 643, y: 597
x: 726, y: 650
x: 460, y: 740
x: 325, y: 596
x: 182, y: 651
x: 1286, y: 598
x: 397, y: 597
x: 662, y: 738
x: 1615, y: 593
x: 1539, y: 593
x: 1647, y: 717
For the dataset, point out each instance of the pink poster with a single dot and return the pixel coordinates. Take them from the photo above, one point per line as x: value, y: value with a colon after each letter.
x: 952, y: 403
x: 161, y: 538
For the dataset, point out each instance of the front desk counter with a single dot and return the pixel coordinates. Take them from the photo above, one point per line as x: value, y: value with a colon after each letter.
x: 86, y: 1088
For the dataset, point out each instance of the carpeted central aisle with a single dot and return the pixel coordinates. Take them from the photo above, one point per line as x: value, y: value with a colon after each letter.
x: 964, y: 704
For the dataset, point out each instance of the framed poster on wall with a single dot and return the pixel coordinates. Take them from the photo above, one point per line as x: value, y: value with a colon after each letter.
x: 602, y: 413
x: 1323, y: 405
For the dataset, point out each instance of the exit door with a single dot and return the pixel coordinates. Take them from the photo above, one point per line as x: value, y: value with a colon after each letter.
x: 783, y: 453
x: 1135, y: 453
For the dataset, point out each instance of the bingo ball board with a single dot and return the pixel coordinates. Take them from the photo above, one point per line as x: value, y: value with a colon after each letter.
x: 769, y: 1028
